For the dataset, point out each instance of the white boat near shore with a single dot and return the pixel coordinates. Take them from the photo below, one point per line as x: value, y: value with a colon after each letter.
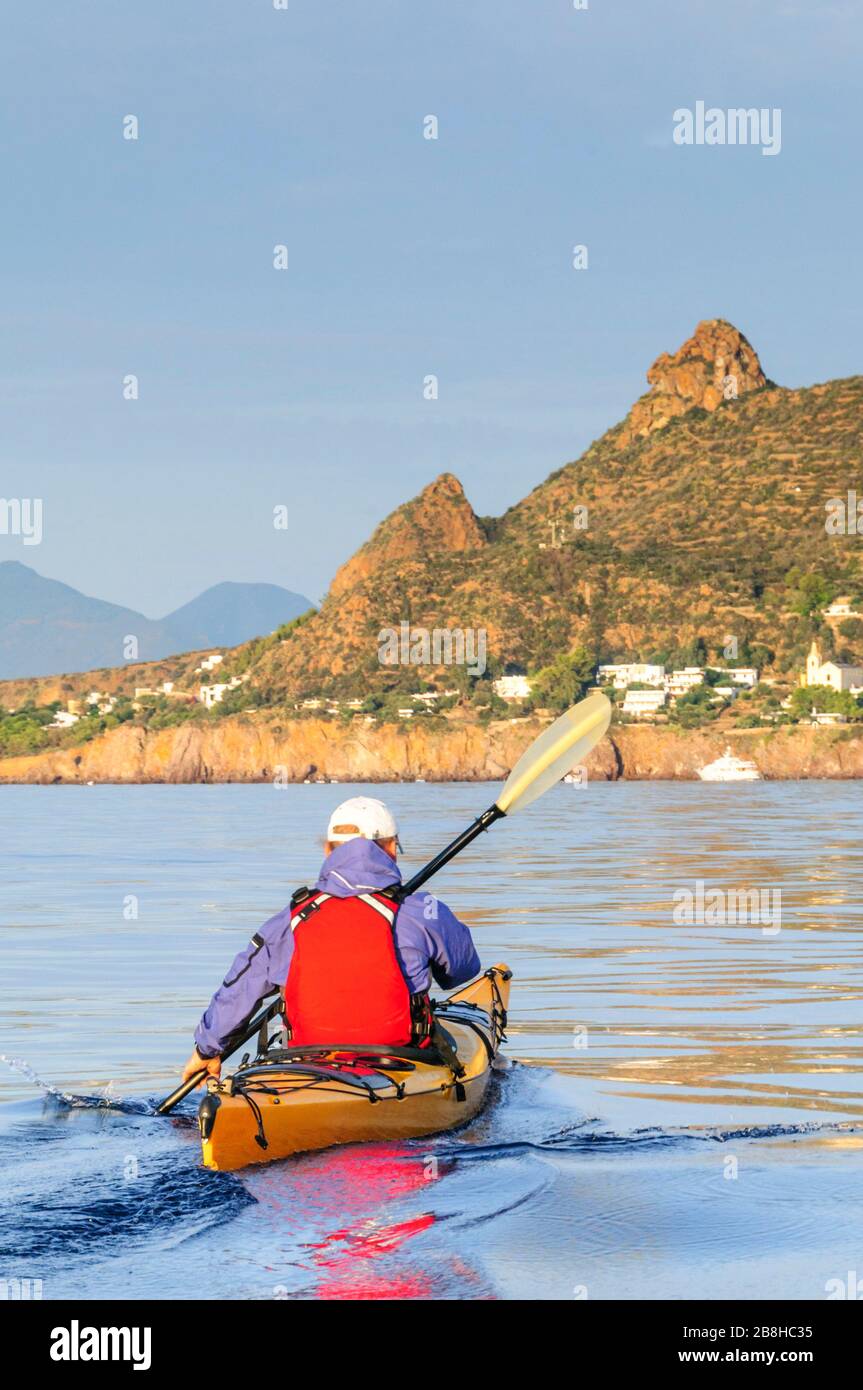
x: 730, y: 768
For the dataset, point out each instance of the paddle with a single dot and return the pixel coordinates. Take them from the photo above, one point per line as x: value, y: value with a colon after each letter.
x: 235, y: 1041
x: 563, y: 744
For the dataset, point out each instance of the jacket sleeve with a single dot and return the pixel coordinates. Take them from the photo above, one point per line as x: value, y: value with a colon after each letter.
x: 259, y: 970
x: 454, y: 958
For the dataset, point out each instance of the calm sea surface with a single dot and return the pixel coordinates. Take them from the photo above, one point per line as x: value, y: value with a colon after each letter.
x: 682, y: 1117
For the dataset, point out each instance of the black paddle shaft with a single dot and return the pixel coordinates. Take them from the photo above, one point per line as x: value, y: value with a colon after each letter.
x: 235, y: 1041
x: 458, y: 844
x: 399, y: 894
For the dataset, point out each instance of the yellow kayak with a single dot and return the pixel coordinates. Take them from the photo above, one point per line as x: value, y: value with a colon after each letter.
x: 305, y: 1098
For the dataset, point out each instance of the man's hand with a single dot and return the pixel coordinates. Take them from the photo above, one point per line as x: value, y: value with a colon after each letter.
x: 196, y: 1062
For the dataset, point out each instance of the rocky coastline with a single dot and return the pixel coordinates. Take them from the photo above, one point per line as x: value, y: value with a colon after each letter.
x: 259, y: 748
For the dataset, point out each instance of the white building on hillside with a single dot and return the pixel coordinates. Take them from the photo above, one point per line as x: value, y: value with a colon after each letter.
x: 102, y: 700
x: 741, y: 675
x: 630, y: 673
x: 643, y: 704
x: 679, y: 682
x: 63, y: 720
x: 511, y: 687
x: 210, y: 662
x: 842, y: 608
x: 210, y: 695
x: 839, y: 675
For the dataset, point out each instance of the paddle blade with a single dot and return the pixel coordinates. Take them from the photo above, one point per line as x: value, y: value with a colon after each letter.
x: 562, y: 746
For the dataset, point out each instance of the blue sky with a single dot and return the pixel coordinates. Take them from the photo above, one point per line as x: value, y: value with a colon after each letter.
x: 406, y: 256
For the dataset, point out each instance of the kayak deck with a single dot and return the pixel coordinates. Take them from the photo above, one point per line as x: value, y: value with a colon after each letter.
x: 306, y: 1098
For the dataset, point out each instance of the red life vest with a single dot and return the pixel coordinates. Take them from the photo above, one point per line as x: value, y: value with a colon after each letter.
x: 345, y: 984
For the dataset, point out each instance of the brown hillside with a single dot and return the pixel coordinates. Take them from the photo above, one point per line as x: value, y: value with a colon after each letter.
x: 699, y: 509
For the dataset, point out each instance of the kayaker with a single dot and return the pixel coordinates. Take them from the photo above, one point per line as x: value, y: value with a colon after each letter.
x: 354, y: 967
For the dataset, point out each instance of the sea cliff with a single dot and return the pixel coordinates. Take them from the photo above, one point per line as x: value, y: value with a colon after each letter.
x: 258, y: 748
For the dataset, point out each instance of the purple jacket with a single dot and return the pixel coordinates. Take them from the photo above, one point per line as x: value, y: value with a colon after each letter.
x: 431, y: 943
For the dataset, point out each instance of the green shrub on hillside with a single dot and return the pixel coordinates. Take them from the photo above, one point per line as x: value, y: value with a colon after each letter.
x: 807, y: 698
x: 25, y: 730
x: 810, y: 592
x: 561, y: 684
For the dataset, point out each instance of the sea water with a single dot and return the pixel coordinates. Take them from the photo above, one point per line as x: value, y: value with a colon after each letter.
x: 681, y: 1116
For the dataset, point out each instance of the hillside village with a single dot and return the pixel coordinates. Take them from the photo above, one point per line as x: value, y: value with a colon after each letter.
x: 102, y: 702
x: 828, y: 692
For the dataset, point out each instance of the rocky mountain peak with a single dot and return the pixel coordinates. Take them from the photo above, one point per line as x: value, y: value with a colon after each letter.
x: 716, y: 364
x: 439, y: 519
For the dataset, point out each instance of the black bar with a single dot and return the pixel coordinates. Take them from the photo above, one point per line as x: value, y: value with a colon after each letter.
x: 630, y: 1336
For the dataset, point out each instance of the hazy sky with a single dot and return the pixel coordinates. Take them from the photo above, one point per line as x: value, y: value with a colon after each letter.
x: 406, y: 256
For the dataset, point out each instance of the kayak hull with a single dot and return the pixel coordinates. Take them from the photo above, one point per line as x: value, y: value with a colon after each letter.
x: 273, y: 1109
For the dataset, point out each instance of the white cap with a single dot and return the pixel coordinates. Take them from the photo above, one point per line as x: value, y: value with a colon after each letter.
x: 361, y: 817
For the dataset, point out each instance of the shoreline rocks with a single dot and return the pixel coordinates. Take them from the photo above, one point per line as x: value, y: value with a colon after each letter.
x: 259, y: 748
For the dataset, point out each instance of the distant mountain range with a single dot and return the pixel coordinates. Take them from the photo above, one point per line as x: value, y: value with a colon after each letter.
x: 47, y: 627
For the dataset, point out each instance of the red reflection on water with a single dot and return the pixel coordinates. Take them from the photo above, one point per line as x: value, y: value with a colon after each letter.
x: 371, y: 1239
x: 340, y: 1183
x: 346, y: 1253
x: 347, y: 1192
x: 347, y: 1195
x: 367, y: 1286
x: 348, y: 1270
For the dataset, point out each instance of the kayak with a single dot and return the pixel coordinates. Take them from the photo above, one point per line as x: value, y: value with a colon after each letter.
x: 297, y: 1099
